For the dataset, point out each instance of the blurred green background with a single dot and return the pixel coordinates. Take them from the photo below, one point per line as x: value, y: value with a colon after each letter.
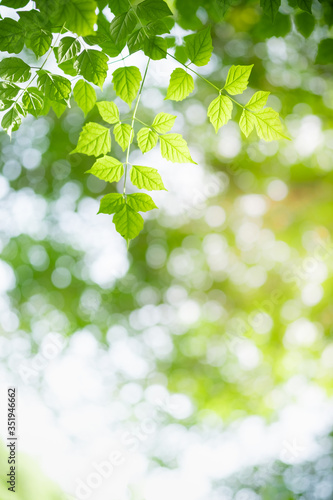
x: 225, y: 297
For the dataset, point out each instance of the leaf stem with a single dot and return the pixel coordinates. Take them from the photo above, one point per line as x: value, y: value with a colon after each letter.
x: 142, y: 123
x: 132, y: 125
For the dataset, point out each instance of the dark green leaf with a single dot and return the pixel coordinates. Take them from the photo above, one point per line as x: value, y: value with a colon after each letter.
x: 111, y: 203
x: 270, y: 7
x: 33, y: 101
x: 84, y: 95
x: 11, y: 120
x: 156, y: 48
x: 121, y: 27
x: 304, y: 23
x: 137, y: 40
x: 118, y: 6
x: 14, y: 4
x: 305, y: 5
x: 13, y: 69
x: 8, y: 91
x: 55, y: 87
x: 78, y: 15
x: 325, y: 52
x: 199, y: 47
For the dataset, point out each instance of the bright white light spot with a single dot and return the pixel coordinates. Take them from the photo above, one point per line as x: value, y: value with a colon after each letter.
x: 248, y: 354
x: 253, y: 205
x: 300, y: 332
x: 7, y: 277
x: 189, y: 312
x: 277, y: 190
x: 61, y: 277
x: 31, y: 158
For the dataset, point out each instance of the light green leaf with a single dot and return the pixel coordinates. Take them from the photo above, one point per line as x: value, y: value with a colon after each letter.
x: 147, y: 139
x: 140, y: 202
x: 126, y: 83
x: 8, y: 90
x: 175, y: 149
x: 39, y: 41
x: 68, y: 48
x: 33, y: 101
x: 124, y: 134
x: 94, y: 140
x: 111, y: 203
x: 155, y: 47
x: 107, y: 169
x: 137, y: 40
x: 118, y: 6
x: 238, y: 79
x: 108, y: 111
x: 11, y: 120
x: 199, y: 47
x: 180, y: 86
x: 247, y: 122
x: 128, y: 223
x: 163, y: 122
x: 14, y: 69
x: 270, y: 7
x: 268, y: 125
x: 84, y: 95
x: 11, y: 36
x: 146, y: 178
x: 122, y: 26
x: 93, y: 66
x: 55, y: 87
x: 58, y: 107
x: 257, y: 101
x: 219, y: 111
x: 150, y: 10
x: 79, y: 15
x: 305, y: 5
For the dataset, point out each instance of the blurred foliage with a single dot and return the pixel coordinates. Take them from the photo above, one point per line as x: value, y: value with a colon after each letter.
x: 229, y: 292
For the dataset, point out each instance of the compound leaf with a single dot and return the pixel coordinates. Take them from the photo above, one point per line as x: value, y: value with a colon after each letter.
x: 128, y: 222
x: 140, y: 202
x: 257, y: 101
x: 111, y: 203
x: 163, y: 122
x: 124, y: 135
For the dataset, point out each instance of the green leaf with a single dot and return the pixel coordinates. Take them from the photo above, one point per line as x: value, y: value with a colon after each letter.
x: 158, y: 27
x: 111, y: 203
x: 140, y: 202
x: 11, y: 36
x: 122, y: 26
x: 33, y: 101
x: 270, y: 7
x: 107, y: 169
x: 247, y: 122
x: 268, y: 125
x: 305, y: 5
x: 219, y: 111
x: 14, y: 69
x: 68, y: 48
x: 325, y: 51
x: 155, y: 47
x: 78, y: 15
x: 68, y: 67
x: 124, y: 134
x: 175, y: 149
x: 118, y: 6
x: 84, y: 95
x: 305, y: 23
x: 257, y: 101
x: 55, y: 87
x: 181, y: 54
x: 147, y: 139
x: 94, y: 140
x: 14, y: 4
x: 181, y: 85
x: 163, y: 122
x: 237, y: 79
x: 93, y: 66
x: 11, y: 120
x: 8, y: 91
x: 39, y: 42
x: 128, y: 223
x: 136, y: 41
x: 150, y: 10
x: 126, y: 83
x: 199, y: 47
x: 146, y: 178
x: 108, y: 111
x: 5, y: 105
